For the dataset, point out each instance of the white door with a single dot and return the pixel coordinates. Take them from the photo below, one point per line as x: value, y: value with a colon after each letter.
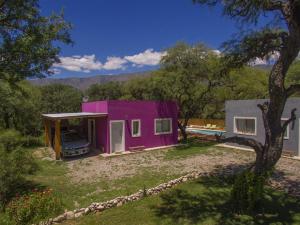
x: 92, y: 132
x: 117, y: 136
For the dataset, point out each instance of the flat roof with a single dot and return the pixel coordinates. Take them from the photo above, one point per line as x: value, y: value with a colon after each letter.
x: 58, y: 116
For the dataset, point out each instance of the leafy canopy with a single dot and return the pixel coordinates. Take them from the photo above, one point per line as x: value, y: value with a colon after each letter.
x: 28, y: 41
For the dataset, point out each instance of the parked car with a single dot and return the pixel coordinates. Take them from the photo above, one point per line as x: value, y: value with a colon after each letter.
x: 73, y: 144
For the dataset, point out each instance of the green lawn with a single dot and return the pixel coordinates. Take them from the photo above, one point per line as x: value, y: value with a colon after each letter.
x: 204, y: 201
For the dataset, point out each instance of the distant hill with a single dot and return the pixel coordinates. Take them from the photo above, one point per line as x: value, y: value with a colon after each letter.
x: 83, y: 83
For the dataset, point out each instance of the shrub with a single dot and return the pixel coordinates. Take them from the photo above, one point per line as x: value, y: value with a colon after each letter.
x: 30, y: 141
x: 247, y: 192
x: 34, y: 207
x: 10, y: 139
x: 14, y: 165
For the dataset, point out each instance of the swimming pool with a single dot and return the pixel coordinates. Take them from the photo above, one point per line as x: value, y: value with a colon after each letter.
x: 206, y: 132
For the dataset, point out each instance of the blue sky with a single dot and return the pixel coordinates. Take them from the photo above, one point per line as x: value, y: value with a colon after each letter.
x: 118, y: 36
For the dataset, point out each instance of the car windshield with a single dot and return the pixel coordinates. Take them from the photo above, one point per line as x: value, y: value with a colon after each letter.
x: 70, y: 137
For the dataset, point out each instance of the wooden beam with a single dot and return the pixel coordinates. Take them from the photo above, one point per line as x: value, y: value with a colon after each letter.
x: 57, y: 140
x: 47, y: 132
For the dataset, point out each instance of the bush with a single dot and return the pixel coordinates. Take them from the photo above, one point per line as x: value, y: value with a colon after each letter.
x: 34, y: 207
x: 30, y: 141
x: 247, y: 192
x: 10, y: 139
x: 14, y: 165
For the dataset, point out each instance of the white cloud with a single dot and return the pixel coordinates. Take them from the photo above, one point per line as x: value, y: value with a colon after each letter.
x: 114, y: 63
x: 217, y: 52
x: 77, y: 63
x: 88, y: 63
x: 146, y: 58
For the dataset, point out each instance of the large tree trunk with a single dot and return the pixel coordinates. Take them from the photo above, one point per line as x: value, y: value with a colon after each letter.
x: 182, y: 128
x: 248, y: 187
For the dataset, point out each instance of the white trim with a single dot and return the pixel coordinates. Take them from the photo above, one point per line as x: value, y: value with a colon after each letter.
x: 139, y: 129
x: 110, y: 134
x: 161, y: 133
x: 287, y: 130
x: 244, y: 117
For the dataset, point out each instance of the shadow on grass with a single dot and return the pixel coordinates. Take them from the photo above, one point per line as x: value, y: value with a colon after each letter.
x: 196, y: 142
x: 206, y: 201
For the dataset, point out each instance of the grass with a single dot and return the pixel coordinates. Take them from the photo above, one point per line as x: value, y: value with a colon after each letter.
x: 191, y: 149
x: 204, y: 201
x: 53, y: 174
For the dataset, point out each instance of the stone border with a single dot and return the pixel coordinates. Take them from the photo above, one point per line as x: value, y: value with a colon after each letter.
x: 119, y: 201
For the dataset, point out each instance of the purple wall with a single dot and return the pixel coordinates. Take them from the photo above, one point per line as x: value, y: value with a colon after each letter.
x: 146, y: 111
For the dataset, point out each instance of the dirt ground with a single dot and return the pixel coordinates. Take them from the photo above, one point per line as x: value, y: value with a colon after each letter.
x: 89, y: 169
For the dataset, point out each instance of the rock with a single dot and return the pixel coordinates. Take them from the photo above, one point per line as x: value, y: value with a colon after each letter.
x: 184, y: 179
x: 119, y: 204
x: 70, y: 215
x: 87, y: 211
x: 100, y: 207
x: 59, y: 218
x: 79, y: 214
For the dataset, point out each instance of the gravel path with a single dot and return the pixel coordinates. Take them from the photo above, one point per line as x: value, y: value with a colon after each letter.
x: 286, y: 177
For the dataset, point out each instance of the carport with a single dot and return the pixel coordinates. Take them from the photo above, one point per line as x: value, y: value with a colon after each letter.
x: 56, y: 119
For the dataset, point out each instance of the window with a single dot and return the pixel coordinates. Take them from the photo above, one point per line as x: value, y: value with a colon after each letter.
x: 136, y: 128
x: 245, y: 125
x: 286, y: 133
x: 163, y: 126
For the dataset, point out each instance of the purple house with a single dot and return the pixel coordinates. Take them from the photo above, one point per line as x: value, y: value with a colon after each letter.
x: 120, y: 125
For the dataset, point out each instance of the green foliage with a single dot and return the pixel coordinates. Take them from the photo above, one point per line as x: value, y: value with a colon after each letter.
x: 106, y: 91
x: 293, y: 74
x: 188, y: 75
x: 10, y: 139
x: 34, y: 207
x: 20, y: 108
x: 27, y: 40
x: 238, y: 85
x: 58, y: 98
x: 14, y: 165
x: 149, y: 88
x: 248, y: 191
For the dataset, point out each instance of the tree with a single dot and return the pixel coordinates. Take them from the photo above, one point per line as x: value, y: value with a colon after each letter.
x: 238, y: 84
x: 144, y: 88
x: 27, y: 40
x: 107, y: 91
x: 293, y: 74
x: 58, y: 98
x: 283, y: 38
x: 188, y: 76
x: 19, y: 107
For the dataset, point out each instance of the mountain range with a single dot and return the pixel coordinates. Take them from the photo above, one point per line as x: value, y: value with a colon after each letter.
x: 83, y: 83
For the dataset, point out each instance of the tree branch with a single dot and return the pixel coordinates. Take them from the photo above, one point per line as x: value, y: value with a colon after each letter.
x: 293, y: 89
x: 264, y: 109
x: 291, y: 119
x: 257, y: 146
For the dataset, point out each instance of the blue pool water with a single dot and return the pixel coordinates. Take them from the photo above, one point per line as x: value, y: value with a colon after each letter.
x: 206, y: 132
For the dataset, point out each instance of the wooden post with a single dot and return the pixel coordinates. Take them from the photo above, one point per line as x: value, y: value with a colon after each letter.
x: 57, y: 140
x: 47, y: 133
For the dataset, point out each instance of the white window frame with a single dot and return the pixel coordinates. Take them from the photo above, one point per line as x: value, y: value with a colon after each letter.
x: 287, y: 130
x: 242, y: 117
x: 161, y: 133
x: 139, y: 129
